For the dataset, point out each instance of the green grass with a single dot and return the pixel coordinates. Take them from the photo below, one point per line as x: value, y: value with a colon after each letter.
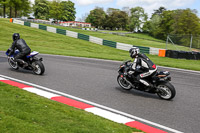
x: 51, y: 43
x: 128, y: 40
x: 24, y: 112
x: 144, y: 36
x: 114, y: 31
x: 135, y: 35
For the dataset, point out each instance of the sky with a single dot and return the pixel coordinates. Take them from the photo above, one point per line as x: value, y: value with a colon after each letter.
x: 84, y: 7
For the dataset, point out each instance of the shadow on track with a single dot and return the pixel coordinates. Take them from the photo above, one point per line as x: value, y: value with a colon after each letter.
x: 138, y: 93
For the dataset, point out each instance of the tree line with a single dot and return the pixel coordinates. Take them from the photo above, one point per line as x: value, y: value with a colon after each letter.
x: 15, y: 8
x: 177, y: 22
x: 64, y: 11
x: 42, y: 9
x: 125, y: 19
x: 161, y: 23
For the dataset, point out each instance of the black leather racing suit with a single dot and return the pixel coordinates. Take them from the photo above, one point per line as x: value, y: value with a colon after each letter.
x: 142, y: 62
x: 23, y: 48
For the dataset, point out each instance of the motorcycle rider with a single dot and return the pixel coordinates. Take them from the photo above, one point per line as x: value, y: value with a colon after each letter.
x: 23, y: 48
x: 141, y: 64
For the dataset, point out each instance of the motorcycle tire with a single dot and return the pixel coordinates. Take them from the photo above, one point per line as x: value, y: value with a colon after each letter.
x: 123, y: 83
x: 166, y: 91
x: 38, y: 67
x: 12, y: 63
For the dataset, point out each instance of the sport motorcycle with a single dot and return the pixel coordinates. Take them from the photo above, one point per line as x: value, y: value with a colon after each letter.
x: 34, y: 64
x: 160, y: 82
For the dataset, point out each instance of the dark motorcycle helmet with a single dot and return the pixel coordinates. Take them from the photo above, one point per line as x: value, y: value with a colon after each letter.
x: 16, y: 36
x: 134, y: 51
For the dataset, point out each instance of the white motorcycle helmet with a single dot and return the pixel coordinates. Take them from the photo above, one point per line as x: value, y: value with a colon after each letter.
x: 134, y: 51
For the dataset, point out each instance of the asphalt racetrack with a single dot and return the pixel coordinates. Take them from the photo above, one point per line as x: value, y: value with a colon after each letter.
x: 95, y: 81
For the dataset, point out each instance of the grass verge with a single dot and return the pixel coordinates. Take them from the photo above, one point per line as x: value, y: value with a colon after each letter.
x: 151, y: 42
x: 51, y: 43
x: 24, y: 112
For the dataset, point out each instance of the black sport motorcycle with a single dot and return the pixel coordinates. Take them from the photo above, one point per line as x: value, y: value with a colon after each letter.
x: 160, y: 81
x: 34, y: 64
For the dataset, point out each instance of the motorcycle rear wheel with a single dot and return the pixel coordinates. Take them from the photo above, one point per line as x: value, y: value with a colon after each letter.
x: 12, y: 63
x: 166, y: 91
x: 38, y: 67
x: 123, y: 83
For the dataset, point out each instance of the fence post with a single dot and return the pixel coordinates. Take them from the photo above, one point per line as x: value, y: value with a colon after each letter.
x: 191, y: 42
x: 167, y: 42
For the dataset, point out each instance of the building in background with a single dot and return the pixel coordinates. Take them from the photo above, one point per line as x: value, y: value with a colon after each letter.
x: 75, y: 24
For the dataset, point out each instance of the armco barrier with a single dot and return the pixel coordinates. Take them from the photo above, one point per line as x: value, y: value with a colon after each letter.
x: 72, y: 34
x: 42, y: 27
x: 124, y: 46
x: 192, y: 56
x: 168, y: 53
x: 172, y: 54
x: 198, y: 56
x: 92, y: 39
x: 35, y: 25
x: 18, y: 22
x: 83, y: 37
x: 51, y: 29
x: 109, y: 43
x: 61, y: 31
x: 183, y: 55
x: 144, y: 49
x: 27, y: 24
x: 154, y: 51
x: 96, y: 40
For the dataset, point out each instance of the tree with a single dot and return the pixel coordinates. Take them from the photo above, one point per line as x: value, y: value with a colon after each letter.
x: 26, y: 8
x: 138, y: 17
x: 116, y: 19
x: 17, y: 5
x: 4, y: 4
x: 159, y: 11
x: 11, y: 5
x: 96, y: 17
x: 1, y: 9
x: 154, y: 25
x: 41, y: 9
x: 179, y: 22
x: 146, y: 27
x: 55, y: 10
x: 186, y: 22
x: 111, y: 10
x: 67, y: 11
x: 21, y: 7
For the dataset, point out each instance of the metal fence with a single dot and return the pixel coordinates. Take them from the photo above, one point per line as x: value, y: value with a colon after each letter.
x: 183, y: 42
x: 40, y: 21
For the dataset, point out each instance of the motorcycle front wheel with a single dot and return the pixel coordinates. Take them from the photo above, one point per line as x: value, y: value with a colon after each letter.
x: 38, y: 67
x: 12, y: 63
x: 122, y: 82
x: 166, y: 91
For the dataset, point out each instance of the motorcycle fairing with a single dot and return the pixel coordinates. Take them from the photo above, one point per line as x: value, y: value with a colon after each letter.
x: 32, y: 54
